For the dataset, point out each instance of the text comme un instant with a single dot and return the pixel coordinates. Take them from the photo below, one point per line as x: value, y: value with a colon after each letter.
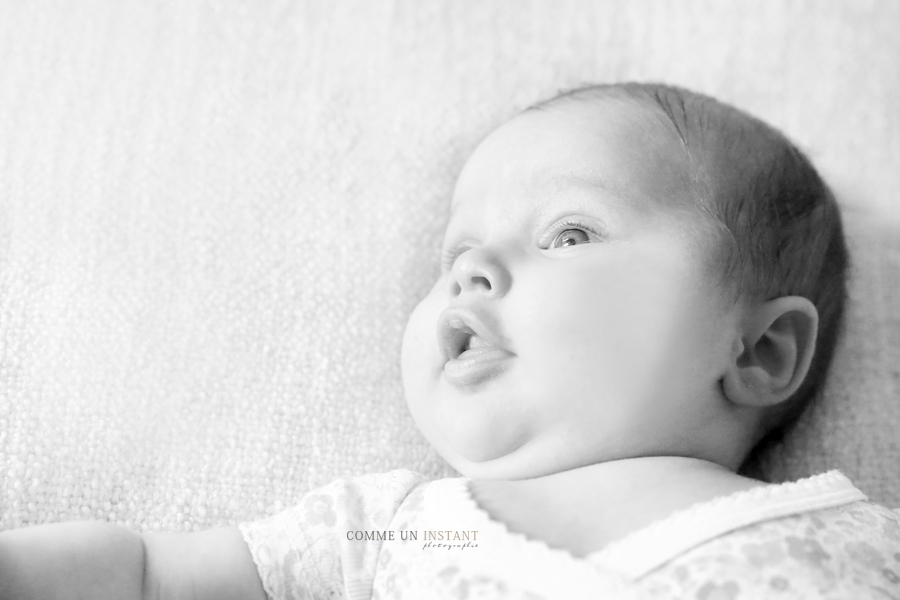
x: 427, y: 535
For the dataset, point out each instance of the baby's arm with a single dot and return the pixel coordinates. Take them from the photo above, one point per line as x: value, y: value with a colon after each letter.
x: 99, y: 560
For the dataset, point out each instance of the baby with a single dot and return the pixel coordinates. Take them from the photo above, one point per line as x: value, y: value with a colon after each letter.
x: 640, y: 284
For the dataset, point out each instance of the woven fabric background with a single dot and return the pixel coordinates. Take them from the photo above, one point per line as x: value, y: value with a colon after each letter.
x: 215, y: 217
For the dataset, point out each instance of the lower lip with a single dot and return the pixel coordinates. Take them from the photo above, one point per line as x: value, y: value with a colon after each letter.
x: 474, y: 367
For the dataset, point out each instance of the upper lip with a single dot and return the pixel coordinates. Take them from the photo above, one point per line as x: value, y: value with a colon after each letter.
x: 456, y: 325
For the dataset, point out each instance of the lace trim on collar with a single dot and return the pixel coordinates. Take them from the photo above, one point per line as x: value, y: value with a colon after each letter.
x: 649, y: 547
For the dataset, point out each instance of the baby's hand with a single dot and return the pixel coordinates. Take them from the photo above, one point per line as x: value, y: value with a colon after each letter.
x: 99, y: 560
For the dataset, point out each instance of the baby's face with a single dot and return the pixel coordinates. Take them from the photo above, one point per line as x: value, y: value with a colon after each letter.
x: 576, y: 320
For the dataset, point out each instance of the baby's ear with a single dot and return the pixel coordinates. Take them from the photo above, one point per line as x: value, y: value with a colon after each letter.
x: 772, y: 357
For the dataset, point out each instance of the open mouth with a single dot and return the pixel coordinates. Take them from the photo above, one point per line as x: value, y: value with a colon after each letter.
x: 461, y: 341
x: 472, y: 352
x: 460, y: 332
x: 472, y: 343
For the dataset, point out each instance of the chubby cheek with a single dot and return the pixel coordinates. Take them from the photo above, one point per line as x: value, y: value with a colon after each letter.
x: 618, y: 333
x: 461, y: 426
x: 420, y: 359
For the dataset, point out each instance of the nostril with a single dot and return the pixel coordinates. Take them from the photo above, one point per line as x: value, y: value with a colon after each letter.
x: 483, y: 281
x: 455, y: 289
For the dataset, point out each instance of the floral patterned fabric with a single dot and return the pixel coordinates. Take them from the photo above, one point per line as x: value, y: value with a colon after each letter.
x: 847, y: 552
x: 396, y: 536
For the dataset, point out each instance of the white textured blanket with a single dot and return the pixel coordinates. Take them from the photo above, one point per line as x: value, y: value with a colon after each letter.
x: 215, y: 217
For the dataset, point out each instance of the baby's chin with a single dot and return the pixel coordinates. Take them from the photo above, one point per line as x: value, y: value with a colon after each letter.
x: 491, y: 456
x: 475, y: 451
x: 503, y: 467
x: 473, y: 438
x: 514, y: 465
x: 484, y: 453
x: 474, y: 455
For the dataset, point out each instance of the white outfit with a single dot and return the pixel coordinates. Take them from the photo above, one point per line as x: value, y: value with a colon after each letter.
x: 813, y: 538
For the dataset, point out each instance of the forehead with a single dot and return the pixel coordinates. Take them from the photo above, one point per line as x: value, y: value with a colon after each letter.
x: 621, y: 149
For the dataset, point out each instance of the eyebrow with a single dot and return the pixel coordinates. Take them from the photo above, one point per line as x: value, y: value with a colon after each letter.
x: 559, y: 182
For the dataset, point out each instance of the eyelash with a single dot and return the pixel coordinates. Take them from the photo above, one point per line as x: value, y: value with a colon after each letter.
x: 448, y: 257
x: 561, y: 226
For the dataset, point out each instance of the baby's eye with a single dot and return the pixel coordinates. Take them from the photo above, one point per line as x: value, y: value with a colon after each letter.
x: 570, y: 237
x: 570, y: 232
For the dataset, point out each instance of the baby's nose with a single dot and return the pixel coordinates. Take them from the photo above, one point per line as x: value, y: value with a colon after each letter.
x: 479, y: 271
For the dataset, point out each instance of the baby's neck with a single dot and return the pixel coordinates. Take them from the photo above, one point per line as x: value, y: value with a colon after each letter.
x: 633, y: 475
x: 591, y: 506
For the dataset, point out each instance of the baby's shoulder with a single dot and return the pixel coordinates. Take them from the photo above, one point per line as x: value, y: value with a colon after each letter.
x: 856, y: 520
x: 844, y: 551
x: 303, y: 551
x: 372, y: 491
x: 856, y: 532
